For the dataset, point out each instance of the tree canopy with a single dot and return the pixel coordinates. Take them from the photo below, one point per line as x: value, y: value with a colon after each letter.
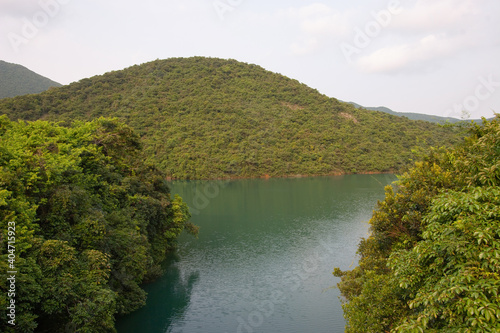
x: 432, y: 262
x: 92, y: 222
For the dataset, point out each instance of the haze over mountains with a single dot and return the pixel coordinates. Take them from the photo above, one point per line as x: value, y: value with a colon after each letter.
x: 213, y: 118
x: 18, y: 80
x: 410, y: 115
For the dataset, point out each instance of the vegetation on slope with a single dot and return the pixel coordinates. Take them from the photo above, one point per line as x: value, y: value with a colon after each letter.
x: 432, y: 262
x: 414, y: 116
x: 89, y: 223
x: 213, y: 118
x: 17, y: 80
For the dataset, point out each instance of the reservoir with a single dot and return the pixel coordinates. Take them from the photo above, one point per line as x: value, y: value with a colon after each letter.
x: 264, y: 257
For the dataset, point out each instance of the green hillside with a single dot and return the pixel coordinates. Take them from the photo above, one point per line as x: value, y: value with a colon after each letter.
x: 213, y: 118
x: 17, y: 80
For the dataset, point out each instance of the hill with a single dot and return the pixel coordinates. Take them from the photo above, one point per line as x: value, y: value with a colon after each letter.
x: 412, y: 115
x: 17, y: 80
x: 213, y: 118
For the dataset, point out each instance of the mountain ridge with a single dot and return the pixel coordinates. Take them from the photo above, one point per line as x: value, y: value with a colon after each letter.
x: 17, y: 80
x: 411, y: 115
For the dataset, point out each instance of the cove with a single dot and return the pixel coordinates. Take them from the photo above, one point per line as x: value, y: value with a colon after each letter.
x: 264, y: 258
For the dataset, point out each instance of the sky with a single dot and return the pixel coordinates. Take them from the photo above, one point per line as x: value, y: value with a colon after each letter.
x: 437, y: 57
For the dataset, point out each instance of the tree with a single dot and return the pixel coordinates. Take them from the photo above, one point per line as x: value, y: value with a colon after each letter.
x: 432, y: 261
x: 453, y: 274
x: 92, y: 222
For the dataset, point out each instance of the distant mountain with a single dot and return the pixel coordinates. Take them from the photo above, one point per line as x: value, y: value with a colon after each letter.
x: 410, y: 115
x: 17, y: 80
x: 214, y: 118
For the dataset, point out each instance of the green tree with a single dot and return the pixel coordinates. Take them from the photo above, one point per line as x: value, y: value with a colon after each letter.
x: 453, y: 274
x: 93, y: 222
x: 431, y: 262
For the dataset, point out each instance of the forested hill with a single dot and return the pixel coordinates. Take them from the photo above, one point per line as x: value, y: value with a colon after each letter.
x: 210, y: 118
x: 18, y: 80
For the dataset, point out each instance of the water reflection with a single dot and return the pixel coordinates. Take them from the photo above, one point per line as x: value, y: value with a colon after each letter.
x: 161, y: 311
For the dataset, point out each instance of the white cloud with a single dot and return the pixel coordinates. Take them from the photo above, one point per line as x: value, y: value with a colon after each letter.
x: 428, y: 33
x: 410, y: 55
x: 333, y: 24
x: 309, y: 10
x: 431, y: 15
x: 318, y: 25
x: 16, y: 8
x: 305, y: 47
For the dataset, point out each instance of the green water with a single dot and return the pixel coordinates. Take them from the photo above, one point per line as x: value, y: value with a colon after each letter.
x: 264, y: 258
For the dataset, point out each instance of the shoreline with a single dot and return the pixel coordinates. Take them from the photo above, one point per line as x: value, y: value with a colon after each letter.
x: 266, y: 176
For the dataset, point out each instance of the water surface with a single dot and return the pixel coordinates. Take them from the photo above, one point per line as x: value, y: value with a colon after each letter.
x: 264, y: 258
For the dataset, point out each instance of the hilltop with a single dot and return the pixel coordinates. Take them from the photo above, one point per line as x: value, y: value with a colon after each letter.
x: 16, y: 80
x: 213, y: 118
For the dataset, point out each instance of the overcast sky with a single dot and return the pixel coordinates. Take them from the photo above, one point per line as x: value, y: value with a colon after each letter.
x: 428, y: 56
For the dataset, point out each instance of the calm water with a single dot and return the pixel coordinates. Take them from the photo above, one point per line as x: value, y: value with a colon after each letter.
x: 264, y: 258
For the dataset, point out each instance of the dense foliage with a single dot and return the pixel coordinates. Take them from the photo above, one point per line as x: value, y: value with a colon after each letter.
x: 92, y: 222
x: 213, y: 118
x: 432, y: 262
x: 17, y: 80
